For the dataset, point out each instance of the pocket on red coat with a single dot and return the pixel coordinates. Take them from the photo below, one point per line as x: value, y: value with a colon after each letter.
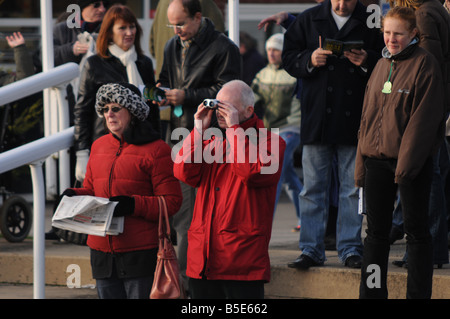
x: 240, y: 253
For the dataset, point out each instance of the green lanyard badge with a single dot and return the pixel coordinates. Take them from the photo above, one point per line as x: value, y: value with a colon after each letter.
x: 387, y: 87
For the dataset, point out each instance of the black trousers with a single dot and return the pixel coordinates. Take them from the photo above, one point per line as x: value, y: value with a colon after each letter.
x: 380, y: 192
x: 225, y: 289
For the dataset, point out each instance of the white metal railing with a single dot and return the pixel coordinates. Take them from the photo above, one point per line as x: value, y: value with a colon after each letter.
x: 36, y: 83
x: 35, y: 153
x: 36, y: 150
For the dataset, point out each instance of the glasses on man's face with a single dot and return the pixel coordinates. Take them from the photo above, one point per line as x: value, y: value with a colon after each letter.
x: 179, y: 26
x: 114, y: 109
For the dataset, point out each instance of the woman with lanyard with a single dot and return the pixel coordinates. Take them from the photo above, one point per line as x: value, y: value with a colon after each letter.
x: 401, y: 128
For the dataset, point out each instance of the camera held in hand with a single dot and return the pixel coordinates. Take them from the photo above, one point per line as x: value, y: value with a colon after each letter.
x: 211, y: 103
x: 156, y: 94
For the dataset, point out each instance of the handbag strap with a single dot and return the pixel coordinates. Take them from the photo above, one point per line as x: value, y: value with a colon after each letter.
x: 164, y: 227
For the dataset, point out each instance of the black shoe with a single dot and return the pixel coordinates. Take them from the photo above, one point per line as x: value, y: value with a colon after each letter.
x: 303, y: 262
x: 353, y: 261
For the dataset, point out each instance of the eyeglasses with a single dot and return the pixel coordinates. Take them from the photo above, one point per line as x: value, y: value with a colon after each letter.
x: 114, y: 109
x: 180, y: 26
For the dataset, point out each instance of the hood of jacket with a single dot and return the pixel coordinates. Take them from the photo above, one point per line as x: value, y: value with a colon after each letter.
x: 403, y: 54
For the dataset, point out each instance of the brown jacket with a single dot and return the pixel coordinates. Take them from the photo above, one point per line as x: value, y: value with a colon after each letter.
x: 407, y: 124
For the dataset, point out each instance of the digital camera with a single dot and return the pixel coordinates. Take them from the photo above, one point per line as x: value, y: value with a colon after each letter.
x: 211, y: 103
x: 154, y: 93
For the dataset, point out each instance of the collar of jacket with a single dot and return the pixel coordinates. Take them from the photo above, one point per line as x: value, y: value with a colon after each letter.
x: 403, y: 55
x: 141, y: 132
x: 275, y: 66
x: 252, y: 121
x: 202, y: 38
x: 91, y: 27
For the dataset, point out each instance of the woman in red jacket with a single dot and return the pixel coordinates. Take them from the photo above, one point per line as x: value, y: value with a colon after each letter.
x: 133, y: 166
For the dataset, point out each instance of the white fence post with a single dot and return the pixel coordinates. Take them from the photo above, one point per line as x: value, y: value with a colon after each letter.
x: 38, y: 230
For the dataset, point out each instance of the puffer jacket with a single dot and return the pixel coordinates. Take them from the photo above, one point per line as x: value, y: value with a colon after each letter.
x: 212, y: 60
x: 144, y: 172
x: 232, y: 221
x: 274, y: 91
x: 408, y: 123
x: 96, y: 72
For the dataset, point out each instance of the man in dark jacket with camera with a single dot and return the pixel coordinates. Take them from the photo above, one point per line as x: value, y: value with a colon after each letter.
x: 198, y: 61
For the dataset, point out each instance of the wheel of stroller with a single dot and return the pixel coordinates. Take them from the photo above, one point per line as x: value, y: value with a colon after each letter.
x: 15, y: 219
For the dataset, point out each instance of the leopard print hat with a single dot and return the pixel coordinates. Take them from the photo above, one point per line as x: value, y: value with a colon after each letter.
x: 126, y: 95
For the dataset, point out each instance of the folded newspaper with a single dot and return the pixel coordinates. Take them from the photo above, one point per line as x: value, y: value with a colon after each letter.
x: 89, y: 215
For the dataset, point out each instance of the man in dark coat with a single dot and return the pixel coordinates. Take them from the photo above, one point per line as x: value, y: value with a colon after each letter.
x: 331, y: 104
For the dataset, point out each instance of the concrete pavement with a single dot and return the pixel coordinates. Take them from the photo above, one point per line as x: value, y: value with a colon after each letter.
x: 331, y: 281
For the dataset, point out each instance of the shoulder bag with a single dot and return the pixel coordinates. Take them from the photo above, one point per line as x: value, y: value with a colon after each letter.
x: 167, y: 280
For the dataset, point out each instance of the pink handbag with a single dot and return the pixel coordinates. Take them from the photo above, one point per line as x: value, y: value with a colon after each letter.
x: 167, y: 281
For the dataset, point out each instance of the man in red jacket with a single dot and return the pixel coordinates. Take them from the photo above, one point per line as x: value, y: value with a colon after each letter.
x: 237, y: 179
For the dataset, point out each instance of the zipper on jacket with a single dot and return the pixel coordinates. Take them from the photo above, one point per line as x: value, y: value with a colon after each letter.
x: 119, y: 151
x: 112, y: 167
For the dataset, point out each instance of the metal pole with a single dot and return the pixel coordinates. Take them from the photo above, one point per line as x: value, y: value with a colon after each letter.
x: 147, y: 25
x: 38, y: 230
x: 47, y: 55
x: 233, y: 20
x: 64, y: 155
x: 50, y: 112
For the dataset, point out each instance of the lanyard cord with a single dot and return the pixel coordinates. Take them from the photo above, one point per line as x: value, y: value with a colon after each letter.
x: 390, y: 71
x: 387, y: 87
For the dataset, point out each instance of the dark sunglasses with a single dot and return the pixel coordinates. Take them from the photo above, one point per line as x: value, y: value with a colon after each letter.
x: 114, y: 109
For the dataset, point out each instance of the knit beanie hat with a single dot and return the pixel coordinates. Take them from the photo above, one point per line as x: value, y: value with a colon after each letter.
x: 275, y: 42
x: 124, y: 94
